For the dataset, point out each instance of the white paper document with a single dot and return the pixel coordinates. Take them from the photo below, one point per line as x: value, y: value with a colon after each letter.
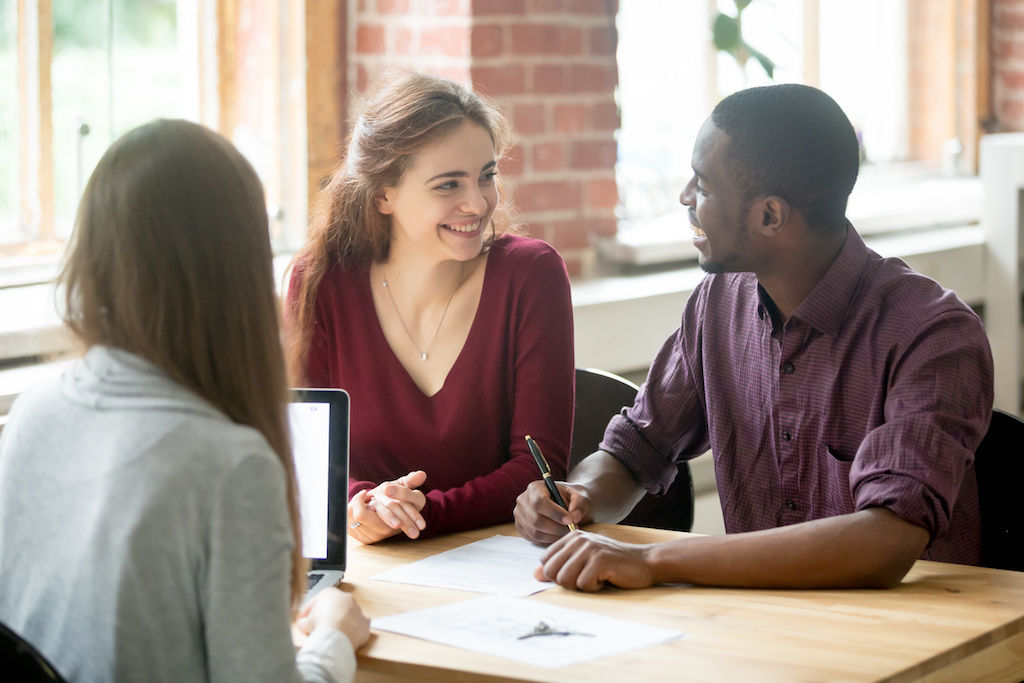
x: 501, y: 565
x: 495, y: 625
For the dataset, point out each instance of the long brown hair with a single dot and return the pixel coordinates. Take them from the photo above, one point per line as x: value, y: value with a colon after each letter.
x: 170, y: 259
x: 411, y: 112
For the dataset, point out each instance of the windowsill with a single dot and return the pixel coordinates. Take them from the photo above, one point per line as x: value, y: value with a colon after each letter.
x: 904, y: 197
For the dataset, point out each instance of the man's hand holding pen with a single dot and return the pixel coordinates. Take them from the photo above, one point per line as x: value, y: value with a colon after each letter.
x: 540, y: 520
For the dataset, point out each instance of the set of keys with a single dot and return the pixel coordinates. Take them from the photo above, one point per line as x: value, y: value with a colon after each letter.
x: 545, y: 629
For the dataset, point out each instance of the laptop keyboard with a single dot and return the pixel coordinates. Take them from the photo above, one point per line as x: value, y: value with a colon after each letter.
x: 312, y: 579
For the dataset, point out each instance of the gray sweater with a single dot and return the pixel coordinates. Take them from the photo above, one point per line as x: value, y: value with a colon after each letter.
x: 145, y: 537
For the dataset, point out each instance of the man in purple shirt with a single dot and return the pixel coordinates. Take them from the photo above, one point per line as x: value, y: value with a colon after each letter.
x: 842, y: 394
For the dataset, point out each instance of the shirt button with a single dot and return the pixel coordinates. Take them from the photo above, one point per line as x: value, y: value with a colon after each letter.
x: 786, y: 436
x: 789, y: 505
x: 788, y: 368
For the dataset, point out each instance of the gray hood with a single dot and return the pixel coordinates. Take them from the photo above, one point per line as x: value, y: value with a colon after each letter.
x: 112, y: 379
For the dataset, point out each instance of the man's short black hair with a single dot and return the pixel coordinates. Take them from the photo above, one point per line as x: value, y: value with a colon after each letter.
x: 795, y: 142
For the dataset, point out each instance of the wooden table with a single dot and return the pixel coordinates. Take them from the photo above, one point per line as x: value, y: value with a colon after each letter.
x: 946, y: 622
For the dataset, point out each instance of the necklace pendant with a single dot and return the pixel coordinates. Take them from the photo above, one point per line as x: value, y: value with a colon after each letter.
x: 423, y: 356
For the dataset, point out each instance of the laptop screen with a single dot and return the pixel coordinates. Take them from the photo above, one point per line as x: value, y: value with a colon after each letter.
x: 319, y: 424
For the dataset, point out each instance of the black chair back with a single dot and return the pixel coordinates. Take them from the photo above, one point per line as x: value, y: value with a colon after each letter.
x: 19, y: 661
x: 999, y: 466
x: 599, y: 396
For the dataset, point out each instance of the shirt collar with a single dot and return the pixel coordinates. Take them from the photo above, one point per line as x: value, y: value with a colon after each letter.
x: 825, y: 307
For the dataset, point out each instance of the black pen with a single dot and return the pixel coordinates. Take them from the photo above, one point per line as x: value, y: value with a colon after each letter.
x: 538, y: 457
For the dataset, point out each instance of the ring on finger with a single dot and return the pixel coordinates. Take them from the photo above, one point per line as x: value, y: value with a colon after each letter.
x: 355, y: 525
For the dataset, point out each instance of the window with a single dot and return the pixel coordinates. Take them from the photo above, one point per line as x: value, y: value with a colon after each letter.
x: 77, y: 75
x: 115, y: 66
x: 895, y: 66
x: 8, y: 120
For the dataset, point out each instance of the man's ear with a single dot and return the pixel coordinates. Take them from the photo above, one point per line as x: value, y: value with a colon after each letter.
x: 382, y: 200
x: 772, y: 214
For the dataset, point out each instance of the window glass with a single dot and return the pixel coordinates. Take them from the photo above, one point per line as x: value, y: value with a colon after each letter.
x: 773, y: 28
x: 869, y: 84
x: 115, y: 66
x: 663, y: 93
x: 9, y: 188
x: 671, y: 76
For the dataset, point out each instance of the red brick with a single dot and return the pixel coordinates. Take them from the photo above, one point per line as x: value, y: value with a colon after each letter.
x: 548, y: 156
x: 603, y: 40
x: 511, y: 164
x: 604, y: 116
x: 548, y: 196
x: 1011, y: 18
x: 605, y: 227
x: 1002, y: 49
x: 488, y: 7
x: 404, y: 40
x: 549, y: 79
x: 447, y: 40
x: 1010, y: 114
x: 371, y: 39
x: 362, y: 78
x: 602, y: 193
x: 500, y: 80
x: 593, y: 154
x: 392, y: 6
x: 594, y: 7
x: 448, y: 7
x: 570, y: 118
x: 528, y: 119
x: 534, y: 229
x: 546, y: 39
x: 572, y: 234
x: 456, y: 72
x: 596, y: 78
x: 547, y: 6
x: 487, y: 40
x: 573, y: 264
x: 1011, y: 78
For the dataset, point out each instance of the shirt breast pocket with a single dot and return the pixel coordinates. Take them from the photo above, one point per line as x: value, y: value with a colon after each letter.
x: 839, y: 454
x: 837, y: 496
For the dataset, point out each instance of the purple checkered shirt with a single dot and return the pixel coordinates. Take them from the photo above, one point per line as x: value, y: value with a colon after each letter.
x: 875, y: 392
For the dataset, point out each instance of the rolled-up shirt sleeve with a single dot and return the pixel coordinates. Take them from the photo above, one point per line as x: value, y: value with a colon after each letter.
x: 915, y: 462
x: 666, y: 423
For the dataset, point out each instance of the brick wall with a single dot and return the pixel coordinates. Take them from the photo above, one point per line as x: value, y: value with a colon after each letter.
x: 550, y: 66
x: 1008, y: 64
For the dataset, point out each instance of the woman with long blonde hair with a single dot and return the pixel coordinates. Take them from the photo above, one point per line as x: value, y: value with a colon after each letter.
x: 148, y: 518
x: 452, y: 334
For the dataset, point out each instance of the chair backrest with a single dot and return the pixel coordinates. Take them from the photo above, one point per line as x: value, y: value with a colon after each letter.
x: 599, y: 396
x: 19, y: 661
x: 999, y: 466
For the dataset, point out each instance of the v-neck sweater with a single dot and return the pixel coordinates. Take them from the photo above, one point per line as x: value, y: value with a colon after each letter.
x: 513, y: 377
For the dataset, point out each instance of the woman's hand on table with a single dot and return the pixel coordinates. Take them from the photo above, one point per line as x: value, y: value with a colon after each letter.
x: 335, y: 609
x: 387, y: 509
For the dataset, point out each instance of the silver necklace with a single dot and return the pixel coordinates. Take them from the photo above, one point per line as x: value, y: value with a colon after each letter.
x: 425, y: 353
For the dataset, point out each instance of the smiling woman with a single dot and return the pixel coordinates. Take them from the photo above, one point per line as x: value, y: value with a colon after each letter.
x: 452, y: 334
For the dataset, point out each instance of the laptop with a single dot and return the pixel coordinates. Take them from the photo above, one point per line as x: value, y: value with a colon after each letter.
x: 319, y: 421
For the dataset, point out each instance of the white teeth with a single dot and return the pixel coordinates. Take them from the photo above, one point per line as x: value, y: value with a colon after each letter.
x: 464, y: 228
